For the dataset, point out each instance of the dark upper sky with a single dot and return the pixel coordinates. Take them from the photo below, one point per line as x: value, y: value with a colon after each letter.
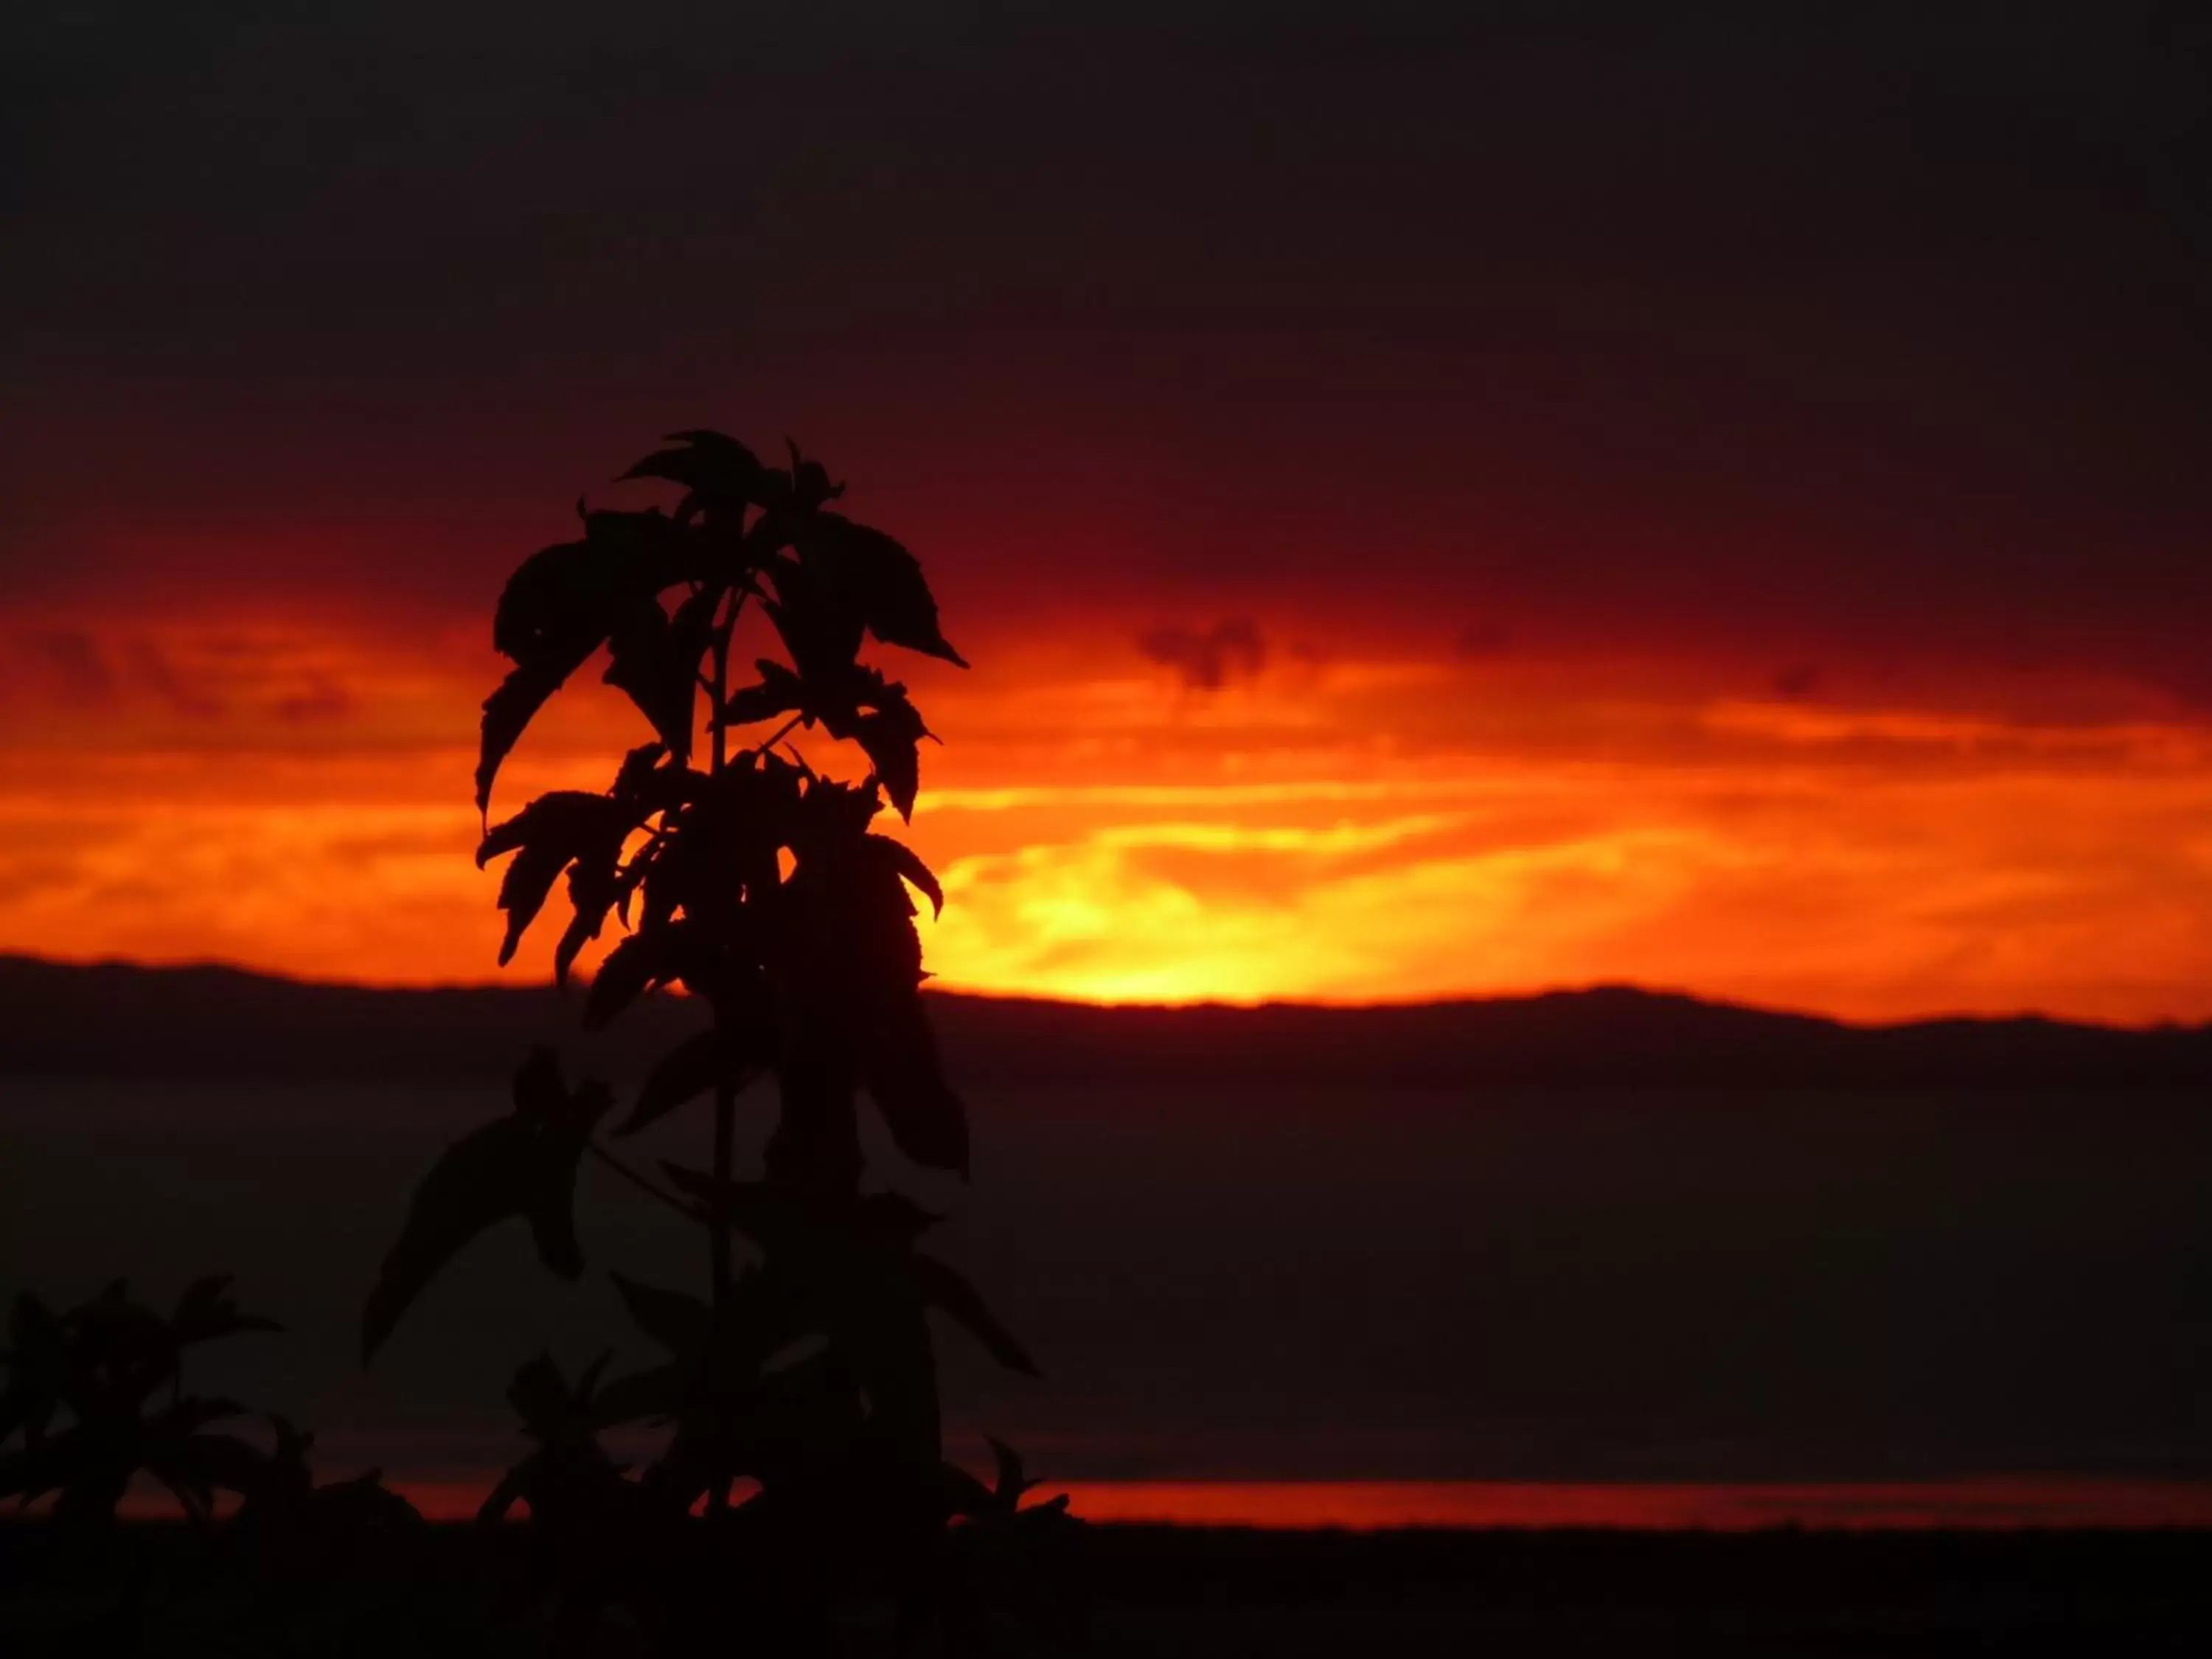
x: 1855, y: 322
x: 1728, y: 481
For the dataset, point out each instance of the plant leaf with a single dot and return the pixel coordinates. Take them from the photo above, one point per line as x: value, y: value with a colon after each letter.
x: 206, y: 1311
x: 876, y: 578
x: 512, y: 1486
x: 688, y: 1070
x: 655, y: 661
x: 736, y: 1050
x: 718, y: 474
x: 890, y: 735
x: 945, y: 1289
x: 904, y: 860
x: 481, y: 1180
x: 1013, y: 1481
x: 779, y: 692
x: 509, y: 709
x: 810, y: 482
x: 855, y: 702
x: 821, y: 632
x: 559, y: 607
x: 558, y: 1151
x: 658, y: 954
x: 523, y: 1165
x: 905, y: 1079
x: 559, y: 829
x: 679, y: 1323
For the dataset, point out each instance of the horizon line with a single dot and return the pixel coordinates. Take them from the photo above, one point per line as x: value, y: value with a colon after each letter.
x: 1536, y: 994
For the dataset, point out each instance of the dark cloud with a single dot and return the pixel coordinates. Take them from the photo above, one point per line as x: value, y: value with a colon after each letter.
x: 66, y: 666
x: 1668, y: 312
x: 177, y: 688
x: 63, y: 665
x: 1477, y: 640
x: 1232, y: 649
x: 1800, y: 679
x: 324, y: 700
x: 202, y: 677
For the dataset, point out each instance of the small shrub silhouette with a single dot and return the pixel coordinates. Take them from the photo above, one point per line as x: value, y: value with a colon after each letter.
x: 758, y: 886
x: 111, y: 1374
x: 96, y: 1401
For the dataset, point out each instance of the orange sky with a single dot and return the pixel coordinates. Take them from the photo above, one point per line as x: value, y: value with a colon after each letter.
x: 1440, y: 499
x: 1362, y: 821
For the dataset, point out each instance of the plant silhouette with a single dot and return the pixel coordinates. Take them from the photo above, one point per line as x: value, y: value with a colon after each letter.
x: 740, y: 875
x: 115, y: 1369
x: 97, y: 1398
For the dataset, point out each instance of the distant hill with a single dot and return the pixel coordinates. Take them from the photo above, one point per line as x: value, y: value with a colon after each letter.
x: 115, y: 1019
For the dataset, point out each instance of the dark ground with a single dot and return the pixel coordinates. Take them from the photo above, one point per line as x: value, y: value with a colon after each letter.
x: 1166, y: 1591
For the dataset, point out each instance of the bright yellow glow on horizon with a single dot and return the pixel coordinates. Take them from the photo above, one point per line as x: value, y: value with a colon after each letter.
x: 1355, y: 831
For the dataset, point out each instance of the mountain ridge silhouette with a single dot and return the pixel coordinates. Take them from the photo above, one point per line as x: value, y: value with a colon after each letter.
x: 62, y: 1018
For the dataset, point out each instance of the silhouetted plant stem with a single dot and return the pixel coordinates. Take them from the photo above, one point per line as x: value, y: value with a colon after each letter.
x: 726, y: 1122
x: 781, y: 733
x: 644, y: 1184
x: 719, y: 1231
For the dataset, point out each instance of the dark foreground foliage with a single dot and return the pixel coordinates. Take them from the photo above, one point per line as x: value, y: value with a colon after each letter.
x: 741, y: 876
x: 800, y: 1467
x: 1234, y: 1595
x: 744, y: 878
x: 96, y: 1401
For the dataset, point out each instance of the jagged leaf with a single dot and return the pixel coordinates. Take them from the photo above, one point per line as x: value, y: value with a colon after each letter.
x: 858, y: 1264
x: 567, y: 830
x: 655, y: 660
x: 962, y: 1494
x: 193, y: 1465
x: 810, y: 482
x: 718, y: 473
x: 1013, y: 1481
x: 510, y: 1490
x: 559, y: 1151
x: 130, y: 1346
x: 679, y: 1323
x: 579, y: 1502
x: 890, y: 735
x: 206, y: 1311
x: 522, y: 1165
x: 559, y: 607
x: 654, y: 956
x: 736, y: 1050
x: 778, y: 692
x: 634, y: 777
x: 551, y: 1412
x: 905, y: 1079
x: 821, y: 632
x: 856, y: 703
x: 510, y: 708
x: 481, y: 1180
x: 594, y: 890
x: 909, y: 864
x: 943, y: 1288
x: 875, y: 577
x: 860, y: 921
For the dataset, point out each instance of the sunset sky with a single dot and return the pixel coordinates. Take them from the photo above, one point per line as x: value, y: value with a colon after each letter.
x: 1439, y: 500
